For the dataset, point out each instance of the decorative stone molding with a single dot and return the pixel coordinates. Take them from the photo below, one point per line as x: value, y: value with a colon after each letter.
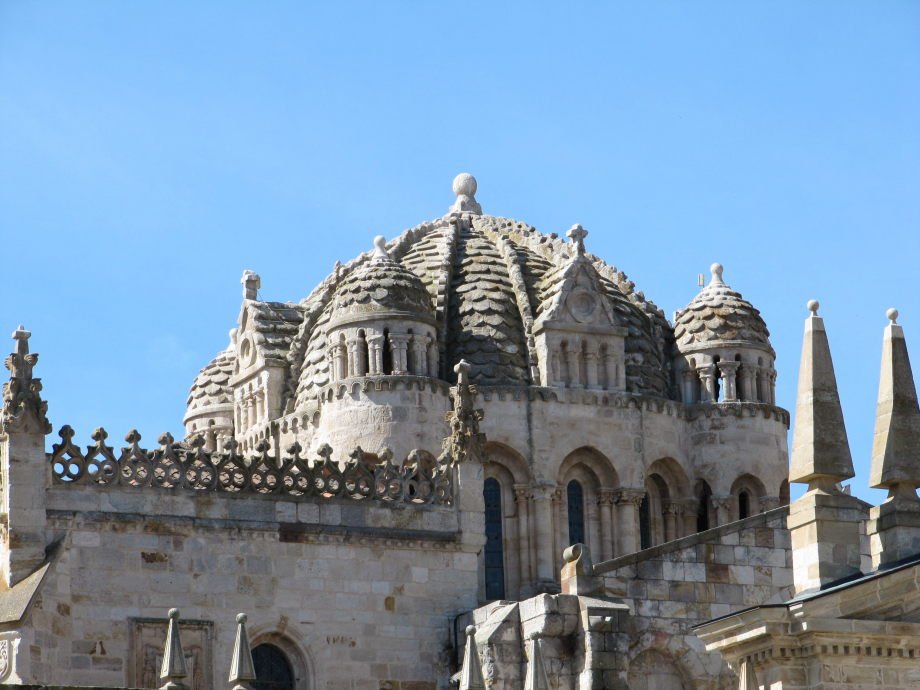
x: 23, y: 407
x: 465, y: 442
x: 189, y: 466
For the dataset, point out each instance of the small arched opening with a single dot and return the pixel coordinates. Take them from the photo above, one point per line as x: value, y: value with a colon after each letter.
x: 274, y: 670
x: 494, y: 549
x: 575, y: 498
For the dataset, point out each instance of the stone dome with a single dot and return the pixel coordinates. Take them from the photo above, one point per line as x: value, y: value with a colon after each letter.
x: 485, y: 278
x: 719, y: 315
x: 381, y: 285
x: 212, y: 385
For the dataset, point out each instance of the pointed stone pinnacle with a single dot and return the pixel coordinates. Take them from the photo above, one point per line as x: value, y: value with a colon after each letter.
x: 173, y: 668
x: 242, y: 669
x: 536, y: 678
x: 896, y: 444
x: 820, y: 449
x: 471, y: 672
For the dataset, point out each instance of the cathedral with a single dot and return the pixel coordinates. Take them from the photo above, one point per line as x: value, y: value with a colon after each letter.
x: 475, y: 456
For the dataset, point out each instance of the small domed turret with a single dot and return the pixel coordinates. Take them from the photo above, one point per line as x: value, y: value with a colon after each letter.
x: 209, y: 412
x: 382, y: 321
x: 724, y: 351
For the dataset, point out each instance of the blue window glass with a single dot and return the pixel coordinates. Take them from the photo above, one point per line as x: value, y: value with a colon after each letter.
x: 494, y: 551
x: 576, y: 503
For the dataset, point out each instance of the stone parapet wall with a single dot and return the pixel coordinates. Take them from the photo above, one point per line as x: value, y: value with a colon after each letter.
x: 348, y: 602
x: 686, y: 582
x: 628, y: 622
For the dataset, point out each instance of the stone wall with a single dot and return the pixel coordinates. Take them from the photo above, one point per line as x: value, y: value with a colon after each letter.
x: 683, y: 583
x: 633, y: 625
x: 349, y: 592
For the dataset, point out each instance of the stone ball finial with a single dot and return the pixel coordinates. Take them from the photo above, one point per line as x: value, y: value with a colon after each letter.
x: 241, y: 618
x: 892, y: 315
x: 465, y: 187
x: 716, y: 270
x: 813, y: 306
x: 380, y: 248
x: 173, y: 614
x: 464, y: 184
x: 470, y: 630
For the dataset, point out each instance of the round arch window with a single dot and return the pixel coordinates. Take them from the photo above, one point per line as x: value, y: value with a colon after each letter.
x: 273, y: 670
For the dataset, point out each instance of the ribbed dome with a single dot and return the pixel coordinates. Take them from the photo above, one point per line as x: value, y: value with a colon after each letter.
x: 486, y: 278
x: 212, y: 385
x: 718, y: 314
x: 381, y: 285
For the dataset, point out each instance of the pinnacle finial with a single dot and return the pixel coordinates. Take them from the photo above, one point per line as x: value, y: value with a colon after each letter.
x: 464, y: 187
x: 173, y: 668
x: 471, y: 672
x: 813, y: 306
x: 462, y: 370
x: 577, y: 234
x: 820, y: 449
x: 716, y: 270
x: 251, y: 283
x: 892, y: 315
x: 21, y: 336
x: 536, y: 678
x: 242, y: 668
x: 380, y: 249
x: 896, y: 444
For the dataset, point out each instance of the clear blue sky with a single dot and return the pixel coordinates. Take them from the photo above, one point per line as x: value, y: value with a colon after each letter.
x: 151, y: 151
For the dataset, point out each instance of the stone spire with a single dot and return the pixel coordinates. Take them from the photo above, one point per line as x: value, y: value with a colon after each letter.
x: 173, y: 669
x: 471, y: 672
x: 896, y: 446
x: 23, y: 407
x: 536, y: 678
x: 242, y: 669
x: 820, y: 450
x: 464, y: 187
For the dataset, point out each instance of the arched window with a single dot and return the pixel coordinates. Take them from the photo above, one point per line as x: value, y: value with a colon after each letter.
x: 387, y: 358
x: 744, y: 505
x: 576, y: 504
x: 494, y: 553
x: 645, y: 524
x: 273, y: 670
x: 704, y: 493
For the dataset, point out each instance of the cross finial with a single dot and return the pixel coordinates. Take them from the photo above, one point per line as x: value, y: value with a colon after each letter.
x: 21, y: 336
x: 251, y: 283
x: 577, y: 234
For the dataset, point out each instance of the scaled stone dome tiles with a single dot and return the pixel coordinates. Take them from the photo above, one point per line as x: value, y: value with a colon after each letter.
x: 212, y: 385
x: 486, y: 280
x: 719, y: 314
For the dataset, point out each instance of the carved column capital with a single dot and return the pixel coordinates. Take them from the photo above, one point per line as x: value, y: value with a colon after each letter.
x: 769, y: 503
x: 522, y: 493
x: 721, y: 502
x: 674, y: 508
x: 628, y: 495
x: 544, y: 492
x: 606, y: 497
